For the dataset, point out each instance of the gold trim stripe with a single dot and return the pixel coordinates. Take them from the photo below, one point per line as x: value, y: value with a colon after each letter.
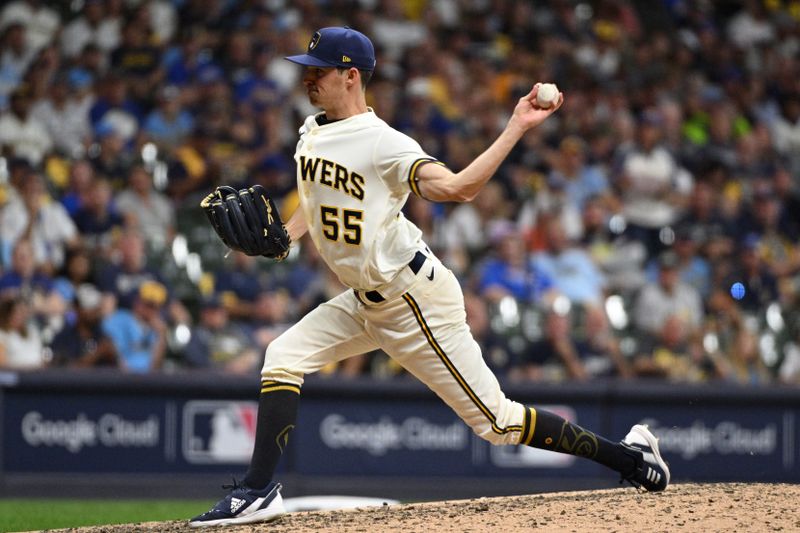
x: 453, y: 370
x: 413, y: 181
x: 526, y: 426
x: 272, y: 386
x: 532, y: 429
x: 358, y: 297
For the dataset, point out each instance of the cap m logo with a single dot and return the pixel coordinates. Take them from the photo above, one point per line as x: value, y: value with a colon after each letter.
x: 346, y: 59
x: 314, y: 40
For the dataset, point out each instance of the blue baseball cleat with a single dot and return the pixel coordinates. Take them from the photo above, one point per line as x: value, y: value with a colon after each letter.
x: 243, y: 505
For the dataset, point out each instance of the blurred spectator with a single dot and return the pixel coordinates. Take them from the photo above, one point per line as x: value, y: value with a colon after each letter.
x: 428, y: 217
x: 786, y: 126
x: 554, y: 357
x: 34, y: 286
x: 750, y: 27
x: 41, y: 21
x: 599, y: 349
x: 92, y: 26
x: 82, y: 343
x: 192, y: 168
x: 139, y: 334
x: 703, y: 221
x: 169, y: 124
x: 22, y: 134
x: 77, y: 271
x: 127, y: 270
x: 185, y: 59
x: 21, y: 346
x: 620, y: 258
x: 668, y: 308
x: 575, y: 177
x: 219, y: 344
x: 551, y: 203
x: 779, y: 251
x: 654, y: 187
x: 240, y: 284
x: 115, y: 109
x: 761, y: 287
x: 137, y: 59
x: 163, y: 19
x: 787, y: 190
x: 147, y: 209
x: 734, y: 349
x: 109, y: 156
x: 98, y: 219
x: 271, y: 317
x: 512, y: 273
x: 34, y: 216
x: 306, y: 280
x: 674, y: 354
x: 498, y: 353
x: 571, y: 269
x: 467, y: 228
x: 79, y: 186
x: 16, y: 55
x: 693, y: 269
x: 65, y: 118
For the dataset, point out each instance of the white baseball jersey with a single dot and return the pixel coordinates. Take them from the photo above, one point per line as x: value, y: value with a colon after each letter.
x: 354, y: 176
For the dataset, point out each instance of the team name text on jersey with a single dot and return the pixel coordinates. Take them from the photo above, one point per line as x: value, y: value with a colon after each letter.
x: 332, y: 175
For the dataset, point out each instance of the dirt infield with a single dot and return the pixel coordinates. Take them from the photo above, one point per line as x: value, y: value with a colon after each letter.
x: 682, y: 507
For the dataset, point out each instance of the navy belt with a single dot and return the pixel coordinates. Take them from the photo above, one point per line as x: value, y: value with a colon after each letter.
x: 415, y: 264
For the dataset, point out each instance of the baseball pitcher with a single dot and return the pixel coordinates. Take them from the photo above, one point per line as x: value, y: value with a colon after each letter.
x: 354, y: 174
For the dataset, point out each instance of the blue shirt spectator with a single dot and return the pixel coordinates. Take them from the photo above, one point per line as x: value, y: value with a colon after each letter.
x: 572, y: 270
x: 578, y: 180
x: 512, y: 273
x: 139, y: 334
x: 169, y: 124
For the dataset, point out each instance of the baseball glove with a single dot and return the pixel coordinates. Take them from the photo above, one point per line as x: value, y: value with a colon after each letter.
x: 247, y: 221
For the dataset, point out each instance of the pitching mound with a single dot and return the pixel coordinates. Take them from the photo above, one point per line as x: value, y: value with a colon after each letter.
x: 683, y: 507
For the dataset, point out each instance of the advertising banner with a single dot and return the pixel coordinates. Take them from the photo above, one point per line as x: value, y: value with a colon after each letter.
x: 416, y: 438
x: 722, y: 443
x: 127, y: 433
x: 53, y: 433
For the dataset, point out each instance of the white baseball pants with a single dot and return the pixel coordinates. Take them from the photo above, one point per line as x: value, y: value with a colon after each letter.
x: 424, y: 329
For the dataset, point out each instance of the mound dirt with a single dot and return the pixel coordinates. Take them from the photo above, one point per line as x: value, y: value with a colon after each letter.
x: 683, y: 507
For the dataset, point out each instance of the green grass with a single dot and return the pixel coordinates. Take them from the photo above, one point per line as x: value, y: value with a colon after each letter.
x: 27, y: 515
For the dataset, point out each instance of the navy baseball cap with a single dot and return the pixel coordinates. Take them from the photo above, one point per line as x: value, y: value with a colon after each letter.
x: 338, y: 47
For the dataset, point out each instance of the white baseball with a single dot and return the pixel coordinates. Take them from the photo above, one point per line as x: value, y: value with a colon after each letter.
x: 547, y: 96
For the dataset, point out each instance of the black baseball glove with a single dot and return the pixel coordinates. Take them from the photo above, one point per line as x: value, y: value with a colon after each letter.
x: 247, y: 221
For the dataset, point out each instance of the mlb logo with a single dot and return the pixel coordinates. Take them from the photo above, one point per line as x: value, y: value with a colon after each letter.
x: 218, y: 432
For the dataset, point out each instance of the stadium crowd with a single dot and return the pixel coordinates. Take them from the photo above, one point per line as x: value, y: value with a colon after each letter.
x: 608, y: 245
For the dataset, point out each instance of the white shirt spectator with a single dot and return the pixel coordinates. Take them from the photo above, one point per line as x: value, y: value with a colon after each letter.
x: 49, y: 235
x: 14, y: 65
x: 23, y: 353
x: 786, y: 135
x: 68, y: 125
x: 154, y: 215
x: 655, y: 306
x: 40, y: 21
x: 747, y: 31
x: 651, y: 174
x: 27, y: 138
x: 78, y: 33
x: 395, y: 33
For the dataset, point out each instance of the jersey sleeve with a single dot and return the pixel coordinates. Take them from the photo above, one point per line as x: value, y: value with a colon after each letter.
x: 397, y: 159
